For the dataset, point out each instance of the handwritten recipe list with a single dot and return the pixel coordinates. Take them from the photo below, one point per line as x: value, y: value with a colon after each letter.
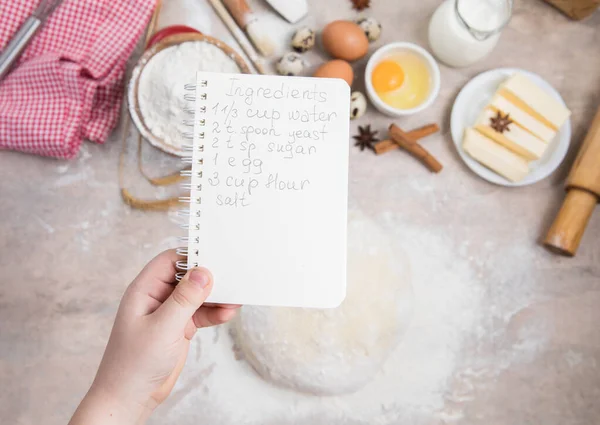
x: 273, y: 156
x: 248, y: 128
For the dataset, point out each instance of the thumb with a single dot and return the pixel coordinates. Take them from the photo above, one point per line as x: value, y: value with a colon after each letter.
x: 186, y: 298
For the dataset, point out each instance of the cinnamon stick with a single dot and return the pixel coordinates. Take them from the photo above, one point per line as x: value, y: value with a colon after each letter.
x: 418, y: 133
x: 426, y: 130
x: 385, y: 146
x: 406, y: 141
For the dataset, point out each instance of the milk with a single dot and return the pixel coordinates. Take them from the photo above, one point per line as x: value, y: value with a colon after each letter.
x: 462, y: 32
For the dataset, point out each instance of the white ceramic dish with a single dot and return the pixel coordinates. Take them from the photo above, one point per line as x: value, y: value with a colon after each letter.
x: 388, y: 49
x: 132, y: 91
x: 469, y: 103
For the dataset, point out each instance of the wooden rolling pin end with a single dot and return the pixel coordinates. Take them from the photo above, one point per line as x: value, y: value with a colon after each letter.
x: 565, y: 234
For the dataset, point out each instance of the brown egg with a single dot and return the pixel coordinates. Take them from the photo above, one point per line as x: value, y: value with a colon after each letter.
x: 336, y: 68
x: 345, y: 40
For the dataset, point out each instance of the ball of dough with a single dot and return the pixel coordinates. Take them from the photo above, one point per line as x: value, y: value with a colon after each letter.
x: 303, y: 39
x: 358, y: 105
x: 371, y: 27
x: 290, y: 64
x: 338, y: 350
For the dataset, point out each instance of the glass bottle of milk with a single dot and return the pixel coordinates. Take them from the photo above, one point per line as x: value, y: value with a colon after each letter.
x: 462, y: 32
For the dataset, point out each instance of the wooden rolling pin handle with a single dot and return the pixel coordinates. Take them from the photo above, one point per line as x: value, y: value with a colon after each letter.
x: 240, y: 11
x: 565, y: 234
x: 583, y: 193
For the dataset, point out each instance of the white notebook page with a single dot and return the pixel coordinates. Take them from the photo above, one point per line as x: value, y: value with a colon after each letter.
x: 270, y: 188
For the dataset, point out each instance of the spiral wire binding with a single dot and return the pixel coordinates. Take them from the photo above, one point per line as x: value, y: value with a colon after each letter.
x: 183, y: 265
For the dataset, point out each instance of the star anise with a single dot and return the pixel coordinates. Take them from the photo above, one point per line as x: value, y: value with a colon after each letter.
x: 500, y: 123
x: 360, y: 4
x: 365, y: 138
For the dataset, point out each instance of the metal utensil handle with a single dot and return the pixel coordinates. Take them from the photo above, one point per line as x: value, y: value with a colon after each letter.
x: 18, y: 43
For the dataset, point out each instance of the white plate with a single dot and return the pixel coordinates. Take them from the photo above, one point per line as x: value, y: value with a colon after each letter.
x: 469, y: 103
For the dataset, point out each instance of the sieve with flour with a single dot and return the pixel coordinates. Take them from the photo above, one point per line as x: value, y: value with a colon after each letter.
x: 139, y: 91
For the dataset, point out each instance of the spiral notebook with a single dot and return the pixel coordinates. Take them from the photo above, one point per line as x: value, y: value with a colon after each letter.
x: 269, y: 188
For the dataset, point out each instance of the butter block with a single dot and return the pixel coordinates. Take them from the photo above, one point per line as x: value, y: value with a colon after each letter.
x: 514, y: 138
x: 531, y: 98
x: 523, y: 119
x: 494, y: 156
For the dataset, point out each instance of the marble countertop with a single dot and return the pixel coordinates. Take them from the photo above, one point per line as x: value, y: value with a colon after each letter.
x: 507, y: 333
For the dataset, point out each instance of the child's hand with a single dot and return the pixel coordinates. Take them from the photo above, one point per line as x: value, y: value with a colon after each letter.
x: 149, y: 342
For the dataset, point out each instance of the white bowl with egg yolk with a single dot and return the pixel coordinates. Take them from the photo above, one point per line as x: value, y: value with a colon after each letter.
x: 389, y: 50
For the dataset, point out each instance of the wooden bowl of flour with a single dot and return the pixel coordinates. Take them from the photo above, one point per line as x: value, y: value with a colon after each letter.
x: 156, y: 88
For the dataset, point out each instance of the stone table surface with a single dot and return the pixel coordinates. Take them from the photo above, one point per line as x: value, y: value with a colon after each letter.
x: 504, y: 332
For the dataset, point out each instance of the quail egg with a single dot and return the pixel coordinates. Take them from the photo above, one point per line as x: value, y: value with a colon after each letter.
x: 358, y: 105
x: 303, y: 39
x: 371, y: 27
x: 290, y: 64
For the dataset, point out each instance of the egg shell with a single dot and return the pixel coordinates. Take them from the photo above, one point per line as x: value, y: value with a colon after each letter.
x: 336, y: 68
x: 345, y: 40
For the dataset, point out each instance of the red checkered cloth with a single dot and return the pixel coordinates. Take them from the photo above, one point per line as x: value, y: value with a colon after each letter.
x: 68, y: 84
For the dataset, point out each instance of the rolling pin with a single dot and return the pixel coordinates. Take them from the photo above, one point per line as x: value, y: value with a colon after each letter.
x: 583, y: 193
x: 576, y: 9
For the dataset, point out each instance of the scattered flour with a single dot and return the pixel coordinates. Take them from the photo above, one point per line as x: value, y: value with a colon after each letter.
x: 161, y: 86
x: 463, y: 310
x: 572, y: 358
x: 448, y: 303
x: 61, y: 169
x: 76, y: 171
x: 70, y: 179
x: 44, y: 225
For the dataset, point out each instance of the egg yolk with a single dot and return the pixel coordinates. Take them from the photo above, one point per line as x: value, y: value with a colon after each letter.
x: 387, y: 76
x: 402, y: 80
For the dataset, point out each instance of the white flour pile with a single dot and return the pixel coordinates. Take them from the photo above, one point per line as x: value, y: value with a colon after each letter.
x: 335, y: 351
x: 162, y: 82
x: 431, y: 376
x: 411, y: 387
